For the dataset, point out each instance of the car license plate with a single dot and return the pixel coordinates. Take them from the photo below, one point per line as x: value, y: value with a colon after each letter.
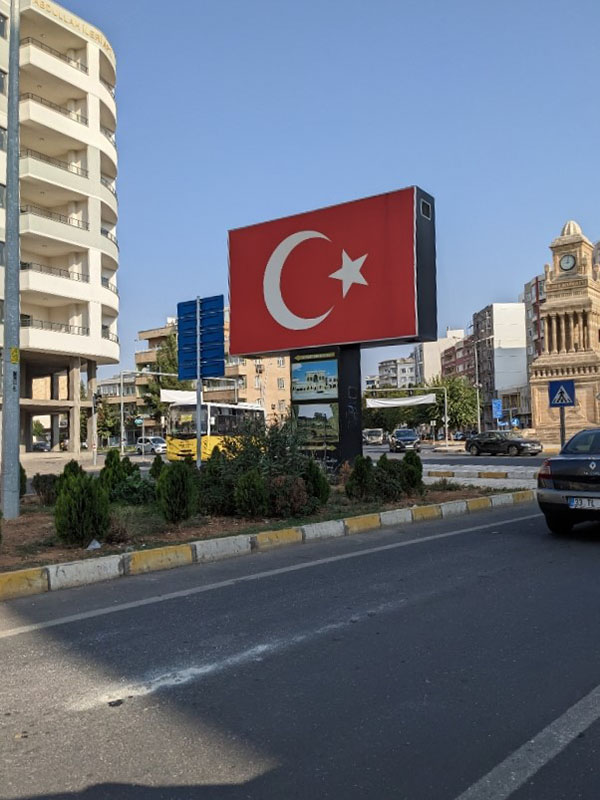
x: 584, y: 502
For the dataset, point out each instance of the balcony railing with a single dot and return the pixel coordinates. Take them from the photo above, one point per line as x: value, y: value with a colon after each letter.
x: 61, y: 109
x: 109, y: 185
x: 59, y: 327
x: 108, y: 285
x: 112, y: 337
x: 58, y: 272
x: 109, y: 235
x: 27, y: 153
x: 109, y: 134
x: 111, y: 89
x: 53, y: 215
x: 55, y: 53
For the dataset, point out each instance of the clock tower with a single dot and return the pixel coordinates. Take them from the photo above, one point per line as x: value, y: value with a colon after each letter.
x: 571, y: 320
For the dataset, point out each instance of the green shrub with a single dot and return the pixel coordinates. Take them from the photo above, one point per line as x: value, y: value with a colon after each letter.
x: 361, y: 483
x: 135, y: 491
x: 128, y: 468
x: 388, y: 479
x: 114, y: 473
x: 81, y: 512
x: 22, y: 481
x: 216, y: 486
x: 288, y: 497
x: 412, y: 473
x: 250, y: 494
x: 316, y: 482
x: 176, y: 491
x: 156, y: 468
x: 46, y: 488
x: 71, y: 469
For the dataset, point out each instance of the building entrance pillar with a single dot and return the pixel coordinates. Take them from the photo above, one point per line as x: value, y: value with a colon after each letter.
x: 75, y: 409
x: 92, y: 387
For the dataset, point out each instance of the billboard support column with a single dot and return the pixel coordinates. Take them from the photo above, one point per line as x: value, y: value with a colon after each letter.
x: 198, y: 384
x: 350, y: 409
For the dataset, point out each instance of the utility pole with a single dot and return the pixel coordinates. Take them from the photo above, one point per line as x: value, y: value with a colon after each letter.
x: 11, y: 349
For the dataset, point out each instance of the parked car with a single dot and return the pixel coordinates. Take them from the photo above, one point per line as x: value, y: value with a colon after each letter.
x: 373, y: 436
x: 151, y: 444
x: 569, y: 484
x: 41, y: 447
x: 459, y: 436
x: 502, y: 443
x: 403, y: 439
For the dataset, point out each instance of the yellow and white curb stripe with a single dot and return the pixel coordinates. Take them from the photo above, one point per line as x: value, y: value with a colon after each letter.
x: 24, y: 582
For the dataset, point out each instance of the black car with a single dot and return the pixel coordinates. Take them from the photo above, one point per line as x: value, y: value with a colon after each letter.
x: 40, y: 447
x: 569, y: 484
x: 500, y: 443
x: 403, y: 439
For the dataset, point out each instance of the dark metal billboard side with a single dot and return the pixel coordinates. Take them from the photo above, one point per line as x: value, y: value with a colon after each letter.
x: 426, y: 266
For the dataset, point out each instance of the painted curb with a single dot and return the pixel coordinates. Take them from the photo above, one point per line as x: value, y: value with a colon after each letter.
x: 323, y: 530
x: 267, y: 540
x: 366, y: 522
x: 485, y: 474
x: 216, y: 549
x: 80, y: 573
x: 453, y: 508
x: 140, y: 561
x: 22, y: 583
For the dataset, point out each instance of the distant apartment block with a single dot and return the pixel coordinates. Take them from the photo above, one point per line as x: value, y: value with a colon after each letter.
x: 396, y: 373
x: 428, y: 356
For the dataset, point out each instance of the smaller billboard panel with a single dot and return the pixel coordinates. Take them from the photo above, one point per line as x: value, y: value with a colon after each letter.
x: 315, y: 380
x: 318, y: 425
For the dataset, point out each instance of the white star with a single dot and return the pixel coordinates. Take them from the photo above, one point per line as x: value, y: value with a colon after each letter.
x: 350, y: 272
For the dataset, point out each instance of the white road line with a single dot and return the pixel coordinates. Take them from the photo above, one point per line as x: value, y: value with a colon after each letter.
x: 518, y: 768
x: 101, y: 612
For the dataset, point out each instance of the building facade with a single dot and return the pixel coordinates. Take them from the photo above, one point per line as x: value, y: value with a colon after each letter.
x: 499, y: 340
x: 396, y: 373
x: 571, y: 328
x: 458, y: 360
x: 69, y: 252
x: 428, y: 356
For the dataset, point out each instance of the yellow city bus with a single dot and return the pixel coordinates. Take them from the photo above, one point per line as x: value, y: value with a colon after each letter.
x: 218, y: 420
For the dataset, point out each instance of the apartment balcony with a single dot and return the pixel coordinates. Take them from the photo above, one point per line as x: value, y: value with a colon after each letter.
x: 110, y: 286
x: 143, y: 357
x: 109, y: 88
x: 43, y: 65
x: 114, y: 249
x: 46, y: 213
x: 27, y: 153
x: 76, y: 116
x: 30, y: 41
x: 110, y: 135
x: 109, y: 184
x: 38, y: 281
x: 55, y: 228
x: 111, y: 337
x: 59, y: 327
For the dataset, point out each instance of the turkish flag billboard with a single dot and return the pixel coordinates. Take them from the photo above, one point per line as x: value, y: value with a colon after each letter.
x: 359, y: 272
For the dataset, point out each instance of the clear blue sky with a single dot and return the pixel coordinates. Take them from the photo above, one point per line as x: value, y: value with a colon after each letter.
x: 236, y: 112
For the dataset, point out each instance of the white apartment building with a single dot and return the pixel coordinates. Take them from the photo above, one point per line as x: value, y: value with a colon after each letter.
x: 69, y: 251
x: 499, y: 334
x: 396, y: 373
x: 428, y: 355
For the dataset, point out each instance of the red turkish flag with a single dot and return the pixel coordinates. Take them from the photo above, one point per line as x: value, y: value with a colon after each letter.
x: 337, y: 275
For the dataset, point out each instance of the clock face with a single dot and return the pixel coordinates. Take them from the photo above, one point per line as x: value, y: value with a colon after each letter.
x: 567, y: 262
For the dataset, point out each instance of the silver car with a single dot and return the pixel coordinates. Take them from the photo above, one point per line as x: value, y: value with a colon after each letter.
x: 569, y: 484
x: 151, y: 444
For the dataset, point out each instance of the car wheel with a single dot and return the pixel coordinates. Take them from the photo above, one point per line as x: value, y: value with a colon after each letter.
x: 513, y: 450
x: 559, y: 524
x: 474, y: 450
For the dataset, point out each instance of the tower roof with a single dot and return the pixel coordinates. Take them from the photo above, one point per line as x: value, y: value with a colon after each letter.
x: 571, y: 228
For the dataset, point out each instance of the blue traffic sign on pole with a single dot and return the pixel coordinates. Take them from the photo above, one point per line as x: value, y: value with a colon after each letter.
x: 497, y: 409
x: 201, y: 348
x: 561, y: 394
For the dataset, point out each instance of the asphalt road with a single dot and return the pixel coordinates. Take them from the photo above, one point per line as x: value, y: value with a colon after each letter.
x: 461, y: 458
x: 450, y: 660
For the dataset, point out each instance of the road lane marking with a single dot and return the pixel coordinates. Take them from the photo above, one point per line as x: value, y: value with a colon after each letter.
x: 147, y: 601
x: 512, y: 773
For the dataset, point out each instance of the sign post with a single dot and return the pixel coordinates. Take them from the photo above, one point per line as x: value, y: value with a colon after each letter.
x: 561, y: 394
x: 201, y: 348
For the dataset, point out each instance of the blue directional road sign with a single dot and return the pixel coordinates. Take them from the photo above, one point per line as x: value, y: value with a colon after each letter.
x: 211, y: 311
x: 561, y: 394
x: 497, y: 409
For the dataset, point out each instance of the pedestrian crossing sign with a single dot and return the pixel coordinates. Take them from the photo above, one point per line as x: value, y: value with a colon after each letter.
x: 561, y: 394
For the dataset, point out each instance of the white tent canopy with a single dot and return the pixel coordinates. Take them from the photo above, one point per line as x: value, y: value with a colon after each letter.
x: 399, y: 402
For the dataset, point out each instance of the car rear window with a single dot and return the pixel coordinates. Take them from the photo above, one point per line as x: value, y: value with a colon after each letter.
x: 583, y: 443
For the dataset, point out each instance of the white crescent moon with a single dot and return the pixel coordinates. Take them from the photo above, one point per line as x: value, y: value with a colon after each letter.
x: 272, y: 284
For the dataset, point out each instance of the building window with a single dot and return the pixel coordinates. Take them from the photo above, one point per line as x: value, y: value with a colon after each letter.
x: 3, y: 81
x: 3, y: 26
x: 2, y: 195
x: 280, y: 383
x: 2, y: 255
x: 281, y: 362
x: 3, y: 137
x: 257, y: 381
x: 281, y: 406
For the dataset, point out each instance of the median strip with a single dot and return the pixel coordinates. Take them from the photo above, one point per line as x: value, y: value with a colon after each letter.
x: 22, y: 583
